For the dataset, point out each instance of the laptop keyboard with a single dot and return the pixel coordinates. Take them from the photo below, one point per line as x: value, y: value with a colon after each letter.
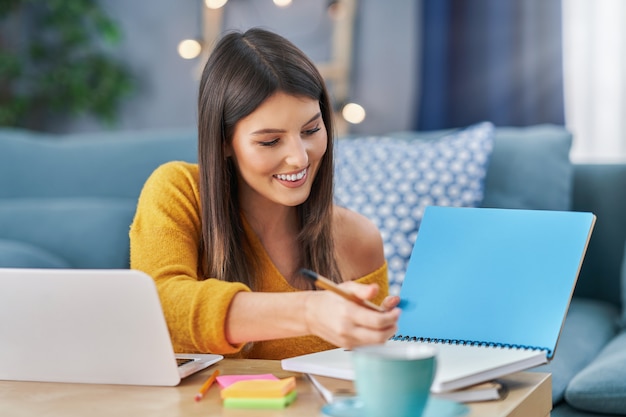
x: 181, y: 362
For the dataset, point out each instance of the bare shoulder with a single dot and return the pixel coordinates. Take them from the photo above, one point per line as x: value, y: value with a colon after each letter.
x: 358, y: 242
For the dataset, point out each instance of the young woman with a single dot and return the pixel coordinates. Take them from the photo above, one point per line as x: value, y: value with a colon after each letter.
x: 224, y: 239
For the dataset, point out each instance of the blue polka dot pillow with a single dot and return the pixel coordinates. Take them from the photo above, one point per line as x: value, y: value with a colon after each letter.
x: 391, y: 181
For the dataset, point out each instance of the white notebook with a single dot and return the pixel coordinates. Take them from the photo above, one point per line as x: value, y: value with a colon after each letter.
x: 490, y: 288
x: 87, y: 326
x: 334, y: 389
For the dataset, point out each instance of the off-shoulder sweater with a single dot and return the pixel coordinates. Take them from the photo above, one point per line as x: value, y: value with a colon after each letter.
x: 164, y: 243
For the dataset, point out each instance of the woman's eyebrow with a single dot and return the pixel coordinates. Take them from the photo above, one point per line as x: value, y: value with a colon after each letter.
x: 272, y: 130
x: 268, y: 130
x: 317, y: 116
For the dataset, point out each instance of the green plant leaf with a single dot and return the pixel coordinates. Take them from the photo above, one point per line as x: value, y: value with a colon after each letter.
x: 62, y: 65
x: 10, y: 67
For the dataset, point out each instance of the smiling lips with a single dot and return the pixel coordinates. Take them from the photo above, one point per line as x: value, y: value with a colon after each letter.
x: 292, y: 179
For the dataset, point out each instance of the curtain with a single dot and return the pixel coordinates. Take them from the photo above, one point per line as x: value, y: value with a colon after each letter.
x: 490, y: 60
x: 594, y: 42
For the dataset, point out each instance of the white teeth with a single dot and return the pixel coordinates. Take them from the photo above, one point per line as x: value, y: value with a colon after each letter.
x: 292, y: 177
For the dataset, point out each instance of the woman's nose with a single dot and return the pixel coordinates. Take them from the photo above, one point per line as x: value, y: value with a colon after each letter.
x: 297, y: 154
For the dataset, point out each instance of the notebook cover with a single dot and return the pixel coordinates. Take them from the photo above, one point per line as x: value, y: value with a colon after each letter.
x: 493, y: 276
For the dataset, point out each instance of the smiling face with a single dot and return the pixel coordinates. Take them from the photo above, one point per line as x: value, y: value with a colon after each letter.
x: 277, y: 150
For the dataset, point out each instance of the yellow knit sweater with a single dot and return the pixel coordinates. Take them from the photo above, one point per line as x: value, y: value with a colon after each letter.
x: 164, y: 243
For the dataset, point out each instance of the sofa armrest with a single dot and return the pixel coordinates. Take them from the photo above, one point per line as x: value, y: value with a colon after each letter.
x: 599, y: 188
x: 601, y: 386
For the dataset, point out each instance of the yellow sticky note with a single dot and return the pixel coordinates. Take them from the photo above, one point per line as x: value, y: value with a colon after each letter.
x: 259, y: 388
x: 261, y: 403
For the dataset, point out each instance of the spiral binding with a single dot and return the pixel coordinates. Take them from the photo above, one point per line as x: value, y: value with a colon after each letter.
x: 402, y: 338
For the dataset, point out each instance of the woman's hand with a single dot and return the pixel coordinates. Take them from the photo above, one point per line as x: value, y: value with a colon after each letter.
x: 345, y: 323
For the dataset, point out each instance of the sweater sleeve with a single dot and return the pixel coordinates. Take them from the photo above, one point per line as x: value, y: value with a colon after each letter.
x: 164, y: 243
x: 379, y: 277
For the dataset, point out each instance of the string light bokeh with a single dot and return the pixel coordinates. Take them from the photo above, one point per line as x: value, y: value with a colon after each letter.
x: 192, y: 48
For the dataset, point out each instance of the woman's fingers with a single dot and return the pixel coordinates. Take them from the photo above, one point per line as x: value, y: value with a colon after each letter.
x: 391, y: 302
x: 347, y: 324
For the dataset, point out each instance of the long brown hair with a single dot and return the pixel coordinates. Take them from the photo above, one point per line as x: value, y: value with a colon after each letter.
x: 244, y: 70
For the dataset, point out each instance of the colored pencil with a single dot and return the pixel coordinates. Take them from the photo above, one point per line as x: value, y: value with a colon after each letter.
x: 326, y: 284
x: 205, y: 387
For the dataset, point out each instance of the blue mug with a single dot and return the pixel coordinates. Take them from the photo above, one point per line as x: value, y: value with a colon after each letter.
x: 394, y: 379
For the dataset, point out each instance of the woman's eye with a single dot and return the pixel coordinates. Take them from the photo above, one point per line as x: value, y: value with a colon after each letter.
x: 312, y: 131
x: 269, y: 142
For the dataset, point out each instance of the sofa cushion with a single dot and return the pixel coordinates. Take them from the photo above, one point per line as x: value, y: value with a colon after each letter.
x: 391, y: 181
x: 601, y: 386
x: 623, y: 288
x: 565, y: 410
x: 104, y: 164
x: 598, y: 188
x: 85, y: 232
x: 530, y: 169
x: 589, y: 326
x: 14, y: 254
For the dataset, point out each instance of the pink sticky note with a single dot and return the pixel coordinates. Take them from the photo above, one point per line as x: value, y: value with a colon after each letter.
x: 226, y: 380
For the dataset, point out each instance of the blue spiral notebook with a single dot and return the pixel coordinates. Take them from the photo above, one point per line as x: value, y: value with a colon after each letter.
x: 490, y: 288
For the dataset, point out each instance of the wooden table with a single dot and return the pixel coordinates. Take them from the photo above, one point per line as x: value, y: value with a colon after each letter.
x: 529, y: 396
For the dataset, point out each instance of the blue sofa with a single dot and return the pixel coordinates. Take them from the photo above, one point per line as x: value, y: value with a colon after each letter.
x: 68, y: 201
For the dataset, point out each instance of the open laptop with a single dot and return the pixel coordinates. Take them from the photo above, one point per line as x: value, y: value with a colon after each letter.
x: 88, y: 326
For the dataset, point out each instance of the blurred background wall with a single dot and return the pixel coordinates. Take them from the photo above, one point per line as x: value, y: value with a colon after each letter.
x: 384, y: 58
x: 416, y: 64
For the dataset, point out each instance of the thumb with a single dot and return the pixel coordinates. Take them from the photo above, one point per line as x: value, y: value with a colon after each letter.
x: 391, y: 302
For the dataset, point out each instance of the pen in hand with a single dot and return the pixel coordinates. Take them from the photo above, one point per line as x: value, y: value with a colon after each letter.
x: 326, y: 284
x: 205, y: 387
